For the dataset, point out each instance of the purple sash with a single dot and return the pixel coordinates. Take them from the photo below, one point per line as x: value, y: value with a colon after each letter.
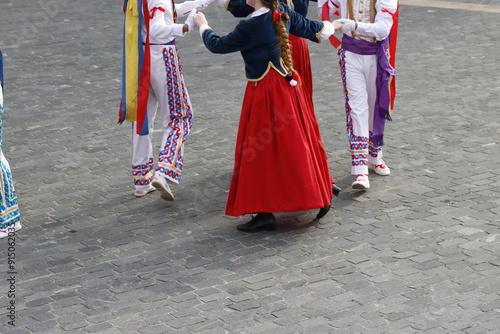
x: 384, y: 72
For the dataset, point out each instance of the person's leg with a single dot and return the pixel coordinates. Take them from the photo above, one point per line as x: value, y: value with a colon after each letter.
x: 357, y: 113
x: 177, y: 117
x: 142, y: 152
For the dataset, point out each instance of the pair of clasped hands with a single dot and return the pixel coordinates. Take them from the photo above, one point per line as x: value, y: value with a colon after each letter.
x: 197, y: 19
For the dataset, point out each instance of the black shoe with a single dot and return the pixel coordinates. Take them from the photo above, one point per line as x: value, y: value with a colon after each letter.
x: 322, y: 212
x: 261, y: 222
x: 336, y: 190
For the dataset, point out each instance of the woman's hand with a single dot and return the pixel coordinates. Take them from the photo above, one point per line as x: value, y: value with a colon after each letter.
x: 199, y: 19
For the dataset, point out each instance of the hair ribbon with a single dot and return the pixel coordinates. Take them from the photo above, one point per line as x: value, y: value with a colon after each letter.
x: 277, y: 15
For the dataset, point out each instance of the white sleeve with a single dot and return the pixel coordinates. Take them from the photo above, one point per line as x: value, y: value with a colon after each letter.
x: 327, y: 31
x: 161, y: 27
x: 203, y: 28
x: 164, y: 32
x: 383, y: 21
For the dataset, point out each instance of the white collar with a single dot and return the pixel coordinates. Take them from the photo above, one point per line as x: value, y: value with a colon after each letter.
x: 260, y: 11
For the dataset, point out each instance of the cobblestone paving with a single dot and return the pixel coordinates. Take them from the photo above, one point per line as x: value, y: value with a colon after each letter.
x: 479, y: 2
x: 472, y: 5
x: 417, y: 253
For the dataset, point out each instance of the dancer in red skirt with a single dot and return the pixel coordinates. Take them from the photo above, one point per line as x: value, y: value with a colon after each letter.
x: 280, y: 162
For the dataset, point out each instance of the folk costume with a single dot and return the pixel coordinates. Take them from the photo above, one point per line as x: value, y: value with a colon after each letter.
x: 300, y: 49
x: 367, y: 66
x: 10, y: 219
x: 153, y: 78
x: 280, y: 162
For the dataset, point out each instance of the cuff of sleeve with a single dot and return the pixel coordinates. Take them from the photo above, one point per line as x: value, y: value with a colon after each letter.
x: 361, y: 27
x: 177, y: 31
x: 327, y: 31
x: 203, y: 28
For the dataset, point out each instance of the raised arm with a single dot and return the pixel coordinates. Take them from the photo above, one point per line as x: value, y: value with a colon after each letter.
x: 237, y: 40
x: 310, y: 29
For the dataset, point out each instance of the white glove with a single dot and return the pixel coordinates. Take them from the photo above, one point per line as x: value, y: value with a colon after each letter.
x: 185, y: 7
x: 190, y: 21
x: 348, y: 25
x: 205, y: 3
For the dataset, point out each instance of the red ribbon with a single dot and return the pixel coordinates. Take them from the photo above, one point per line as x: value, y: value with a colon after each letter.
x: 325, y: 16
x: 277, y: 15
x: 153, y: 11
x: 393, y: 38
x: 144, y: 77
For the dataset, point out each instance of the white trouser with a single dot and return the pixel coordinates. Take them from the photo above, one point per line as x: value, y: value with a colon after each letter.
x: 359, y: 74
x: 169, y: 95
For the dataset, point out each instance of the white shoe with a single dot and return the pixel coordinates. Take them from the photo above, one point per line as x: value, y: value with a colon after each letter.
x: 381, y: 168
x: 144, y: 192
x: 161, y: 184
x: 4, y: 232
x: 362, y: 182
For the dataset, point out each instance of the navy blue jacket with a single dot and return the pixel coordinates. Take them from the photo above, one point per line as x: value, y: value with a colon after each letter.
x: 257, y: 41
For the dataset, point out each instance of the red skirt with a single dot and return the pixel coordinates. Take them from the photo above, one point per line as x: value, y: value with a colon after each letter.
x: 302, y: 61
x: 280, y: 162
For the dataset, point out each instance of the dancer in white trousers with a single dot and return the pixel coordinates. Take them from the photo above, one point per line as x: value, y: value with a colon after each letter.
x: 167, y: 94
x: 364, y: 64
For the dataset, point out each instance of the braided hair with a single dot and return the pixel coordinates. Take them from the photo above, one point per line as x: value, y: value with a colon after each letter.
x: 279, y: 26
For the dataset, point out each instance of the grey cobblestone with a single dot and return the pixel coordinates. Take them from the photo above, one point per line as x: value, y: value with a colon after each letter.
x: 418, y: 253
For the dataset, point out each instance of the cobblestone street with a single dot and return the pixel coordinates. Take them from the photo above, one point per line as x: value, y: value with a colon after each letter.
x: 417, y: 253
